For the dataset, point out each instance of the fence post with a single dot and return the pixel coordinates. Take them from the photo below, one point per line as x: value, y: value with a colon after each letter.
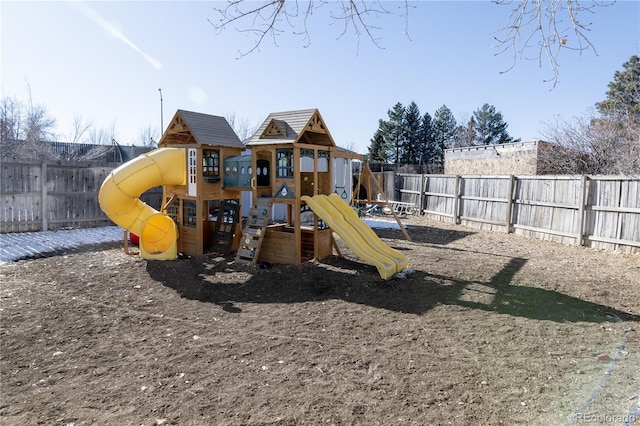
x: 582, y: 208
x: 510, y: 197
x: 456, y: 201
x: 424, y: 179
x: 44, y: 220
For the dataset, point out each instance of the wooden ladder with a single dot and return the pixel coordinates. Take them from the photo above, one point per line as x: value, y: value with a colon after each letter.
x: 254, y: 230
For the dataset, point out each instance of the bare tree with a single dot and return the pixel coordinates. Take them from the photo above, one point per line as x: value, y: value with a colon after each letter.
x: 101, y: 136
x: 567, y: 153
x: 349, y: 146
x: 10, y: 122
x: 28, y: 132
x: 544, y: 25
x: 592, y: 145
x: 241, y: 125
x: 80, y: 128
x: 271, y: 18
x: 38, y: 125
x: 148, y: 137
x: 547, y: 26
x: 465, y: 135
x: 24, y: 129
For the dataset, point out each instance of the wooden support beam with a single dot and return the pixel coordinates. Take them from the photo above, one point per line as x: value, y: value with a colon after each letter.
x: 368, y: 175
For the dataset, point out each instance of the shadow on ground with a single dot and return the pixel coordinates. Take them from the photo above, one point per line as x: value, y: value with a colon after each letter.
x: 424, y: 234
x: 225, y: 283
x: 498, y: 295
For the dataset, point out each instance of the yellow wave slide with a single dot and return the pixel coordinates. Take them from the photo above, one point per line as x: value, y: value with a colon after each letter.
x: 119, y: 199
x: 357, y: 235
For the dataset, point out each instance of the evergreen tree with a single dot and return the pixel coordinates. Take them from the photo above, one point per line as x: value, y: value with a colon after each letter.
x: 490, y: 126
x: 412, y: 123
x: 426, y: 140
x: 394, y: 132
x: 444, y: 126
x: 379, y: 149
x: 623, y: 97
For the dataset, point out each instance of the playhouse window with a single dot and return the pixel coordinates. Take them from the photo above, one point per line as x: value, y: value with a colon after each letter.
x: 211, y: 165
x: 323, y: 161
x: 172, y: 206
x: 306, y: 160
x: 284, y: 159
x: 189, y: 214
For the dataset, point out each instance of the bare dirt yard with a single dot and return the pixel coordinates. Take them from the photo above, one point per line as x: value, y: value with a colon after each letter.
x: 490, y: 329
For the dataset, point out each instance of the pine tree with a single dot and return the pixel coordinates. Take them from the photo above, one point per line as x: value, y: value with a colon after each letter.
x: 379, y: 149
x: 426, y: 139
x: 394, y: 132
x: 444, y: 126
x: 490, y: 126
x: 623, y: 97
x: 412, y: 123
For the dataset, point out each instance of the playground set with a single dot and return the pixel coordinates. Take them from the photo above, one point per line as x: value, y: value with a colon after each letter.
x: 294, y: 166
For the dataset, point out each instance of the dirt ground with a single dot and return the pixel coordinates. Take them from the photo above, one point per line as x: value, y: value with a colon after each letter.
x: 490, y: 329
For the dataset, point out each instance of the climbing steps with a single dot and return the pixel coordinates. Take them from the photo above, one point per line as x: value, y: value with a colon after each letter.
x: 253, y: 232
x: 227, y: 221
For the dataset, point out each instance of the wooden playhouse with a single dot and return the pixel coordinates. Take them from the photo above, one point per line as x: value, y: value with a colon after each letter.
x: 206, y: 210
x: 292, y: 155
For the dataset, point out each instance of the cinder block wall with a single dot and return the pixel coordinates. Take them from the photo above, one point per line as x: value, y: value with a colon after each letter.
x: 519, y: 158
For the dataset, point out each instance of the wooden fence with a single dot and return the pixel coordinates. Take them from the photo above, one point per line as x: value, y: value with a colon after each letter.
x: 40, y: 196
x: 595, y: 211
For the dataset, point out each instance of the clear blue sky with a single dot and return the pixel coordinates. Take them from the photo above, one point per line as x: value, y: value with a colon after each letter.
x: 105, y: 62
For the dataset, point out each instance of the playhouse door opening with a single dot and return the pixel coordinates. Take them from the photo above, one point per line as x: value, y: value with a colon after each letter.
x: 212, y: 209
x: 263, y: 173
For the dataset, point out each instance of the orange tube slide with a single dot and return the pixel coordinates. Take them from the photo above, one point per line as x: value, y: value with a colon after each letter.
x: 119, y: 199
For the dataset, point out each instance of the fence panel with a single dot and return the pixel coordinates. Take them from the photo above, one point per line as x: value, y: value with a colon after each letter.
x: 484, y: 201
x: 21, y: 197
x: 439, y: 199
x: 388, y: 184
x: 67, y: 199
x: 613, y: 213
x: 548, y: 208
x: 409, y: 189
x: 72, y: 194
x: 596, y: 211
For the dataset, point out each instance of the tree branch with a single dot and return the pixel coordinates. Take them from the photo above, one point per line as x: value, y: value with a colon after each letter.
x: 271, y: 17
x: 542, y: 23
